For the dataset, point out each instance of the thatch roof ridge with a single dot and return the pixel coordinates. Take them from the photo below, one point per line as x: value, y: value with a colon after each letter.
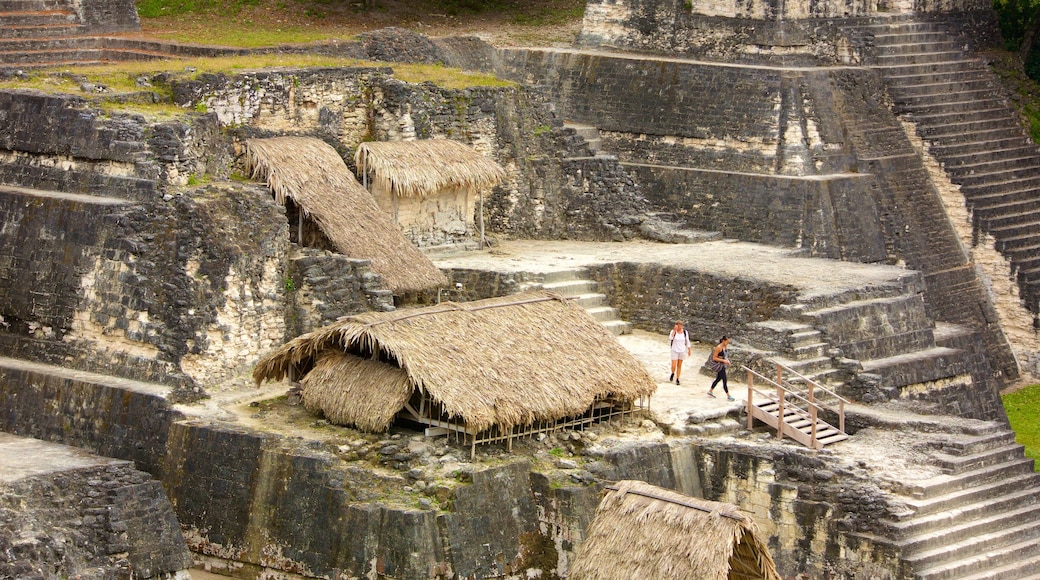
x: 311, y: 173
x: 503, y: 361
x: 643, y: 531
x: 417, y: 168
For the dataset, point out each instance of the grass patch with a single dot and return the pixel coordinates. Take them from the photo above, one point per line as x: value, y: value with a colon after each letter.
x: 448, y: 78
x: 1023, y: 408
x: 136, y: 76
x: 247, y: 35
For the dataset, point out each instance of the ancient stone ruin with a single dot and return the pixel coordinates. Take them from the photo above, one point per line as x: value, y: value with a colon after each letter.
x: 840, y: 186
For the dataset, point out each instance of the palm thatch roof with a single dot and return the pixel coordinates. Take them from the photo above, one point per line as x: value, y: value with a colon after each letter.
x: 419, y: 168
x: 314, y: 176
x: 502, y: 361
x: 643, y: 531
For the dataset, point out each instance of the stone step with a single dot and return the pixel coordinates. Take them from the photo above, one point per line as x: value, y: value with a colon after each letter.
x: 959, y: 463
x: 83, y: 182
x: 939, y: 45
x: 978, y: 563
x: 947, y: 130
x: 588, y: 300
x: 1010, y: 243
x: 988, y: 171
x: 1029, y: 182
x: 975, y: 137
x: 994, y: 116
x: 920, y: 366
x: 1012, y: 141
x: 564, y: 276
x: 947, y: 97
x: 618, y: 327
x: 603, y: 313
x: 33, y: 5
x: 918, y: 57
x: 55, y: 17
x: 1014, y: 193
x: 996, y: 532
x: 992, y: 212
x: 944, y: 526
x: 1000, y: 222
x: 909, y: 76
x: 979, y: 443
x: 971, y: 495
x: 9, y: 58
x: 904, y: 36
x: 913, y: 87
x: 948, y: 484
x: 922, y: 112
x: 1027, y: 568
x: 1026, y: 252
x: 1030, y: 228
x: 572, y: 287
x: 38, y: 30
x: 981, y: 155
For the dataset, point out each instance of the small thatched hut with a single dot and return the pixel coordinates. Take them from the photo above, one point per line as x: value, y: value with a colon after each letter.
x: 432, y: 188
x: 490, y: 370
x: 310, y: 173
x: 643, y: 531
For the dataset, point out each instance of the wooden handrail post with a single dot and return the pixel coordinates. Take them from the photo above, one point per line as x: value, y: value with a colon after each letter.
x: 841, y: 416
x: 779, y: 374
x: 750, y: 390
x: 812, y: 432
x: 812, y: 387
x: 780, y: 413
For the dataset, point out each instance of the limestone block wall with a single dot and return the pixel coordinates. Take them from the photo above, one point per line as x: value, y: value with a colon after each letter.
x: 832, y: 217
x: 60, y: 143
x: 85, y: 518
x: 260, y: 504
x: 324, y: 286
x: 98, y: 16
x: 788, y: 32
x: 585, y: 199
x: 144, y: 291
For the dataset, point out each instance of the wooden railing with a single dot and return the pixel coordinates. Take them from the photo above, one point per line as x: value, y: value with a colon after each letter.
x: 784, y: 394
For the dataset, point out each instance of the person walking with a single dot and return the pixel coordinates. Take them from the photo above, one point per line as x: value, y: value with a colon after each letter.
x: 718, y: 362
x: 681, y: 348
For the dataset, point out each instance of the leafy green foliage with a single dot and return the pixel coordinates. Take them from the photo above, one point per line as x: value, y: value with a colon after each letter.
x: 1023, y: 408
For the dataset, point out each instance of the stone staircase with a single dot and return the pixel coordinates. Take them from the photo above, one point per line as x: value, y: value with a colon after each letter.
x: 575, y: 285
x: 979, y: 519
x: 48, y: 33
x: 881, y: 335
x: 589, y: 133
x: 958, y: 109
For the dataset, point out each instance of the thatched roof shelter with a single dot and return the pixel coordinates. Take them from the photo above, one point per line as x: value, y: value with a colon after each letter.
x: 314, y: 176
x: 502, y: 362
x: 643, y: 531
x: 418, y: 168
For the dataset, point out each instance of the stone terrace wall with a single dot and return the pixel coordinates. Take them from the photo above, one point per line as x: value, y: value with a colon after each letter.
x: 540, y: 198
x: 106, y: 520
x: 734, y: 31
x: 258, y: 503
x: 827, y: 217
x: 144, y: 291
x: 100, y: 16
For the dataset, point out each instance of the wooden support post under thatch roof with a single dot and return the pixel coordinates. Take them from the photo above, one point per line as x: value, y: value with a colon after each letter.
x: 643, y: 531
x: 314, y: 176
x: 490, y: 370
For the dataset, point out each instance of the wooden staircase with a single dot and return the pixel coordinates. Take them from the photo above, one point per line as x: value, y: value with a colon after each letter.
x: 792, y: 414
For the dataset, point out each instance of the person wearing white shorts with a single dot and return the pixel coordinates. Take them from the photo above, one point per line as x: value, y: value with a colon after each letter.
x: 680, y: 347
